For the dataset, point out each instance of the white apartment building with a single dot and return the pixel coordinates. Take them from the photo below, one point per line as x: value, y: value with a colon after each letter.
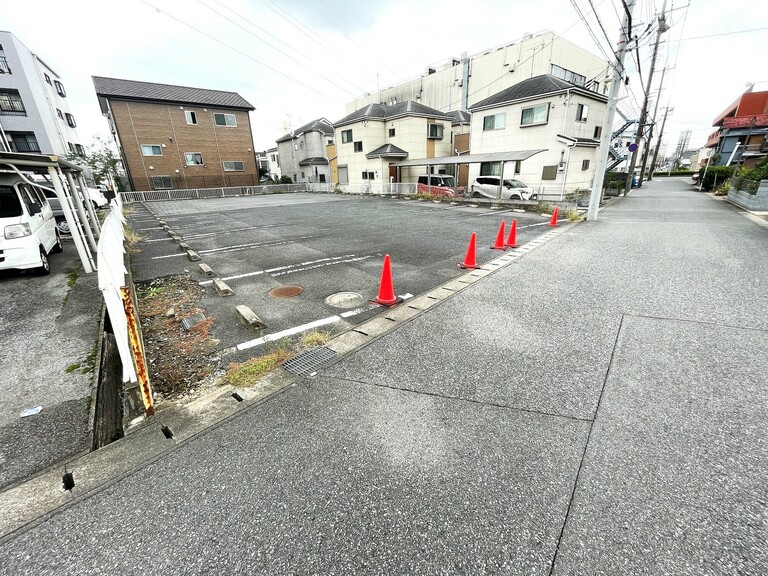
x: 34, y: 113
x: 369, y: 140
x: 273, y: 163
x: 459, y: 83
x: 542, y: 113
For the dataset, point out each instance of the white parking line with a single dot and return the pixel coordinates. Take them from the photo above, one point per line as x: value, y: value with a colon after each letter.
x: 282, y: 270
x: 235, y: 248
x: 310, y: 325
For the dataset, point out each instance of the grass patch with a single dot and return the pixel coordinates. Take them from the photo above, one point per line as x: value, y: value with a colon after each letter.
x: 132, y: 239
x: 314, y: 338
x: 72, y: 367
x: 248, y: 372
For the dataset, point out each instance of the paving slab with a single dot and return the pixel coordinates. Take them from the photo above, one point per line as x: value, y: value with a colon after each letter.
x: 674, y: 478
x: 330, y: 478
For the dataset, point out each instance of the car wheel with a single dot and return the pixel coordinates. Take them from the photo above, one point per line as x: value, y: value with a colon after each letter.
x: 58, y: 246
x: 45, y: 269
x: 475, y: 193
x: 515, y: 197
x: 63, y: 226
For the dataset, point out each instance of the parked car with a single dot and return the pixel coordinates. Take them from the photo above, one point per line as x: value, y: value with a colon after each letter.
x: 97, y: 198
x: 61, y: 220
x: 488, y: 186
x: 437, y: 185
x: 28, y: 226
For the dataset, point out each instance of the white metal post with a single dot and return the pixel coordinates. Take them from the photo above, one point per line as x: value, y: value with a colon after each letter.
x: 82, y: 249
x: 75, y: 195
x: 610, y: 112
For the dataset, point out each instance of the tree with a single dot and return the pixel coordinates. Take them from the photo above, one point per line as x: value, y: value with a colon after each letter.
x: 102, y: 161
x: 284, y: 179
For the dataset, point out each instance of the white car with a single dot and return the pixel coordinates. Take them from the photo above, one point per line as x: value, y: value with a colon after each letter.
x: 96, y: 196
x: 488, y: 186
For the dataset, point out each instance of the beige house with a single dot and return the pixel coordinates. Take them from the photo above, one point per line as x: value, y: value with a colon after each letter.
x: 369, y: 140
x: 547, y: 113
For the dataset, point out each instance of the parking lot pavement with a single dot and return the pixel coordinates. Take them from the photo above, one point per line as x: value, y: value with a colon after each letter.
x: 324, y: 244
x: 50, y: 325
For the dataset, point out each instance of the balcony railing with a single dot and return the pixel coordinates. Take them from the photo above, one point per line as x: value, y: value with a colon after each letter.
x: 4, y: 68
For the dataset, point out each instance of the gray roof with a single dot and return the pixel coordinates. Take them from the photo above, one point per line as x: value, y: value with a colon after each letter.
x: 387, y: 151
x: 315, y: 160
x: 459, y: 117
x: 132, y: 90
x: 382, y: 113
x: 320, y: 125
x: 533, y: 88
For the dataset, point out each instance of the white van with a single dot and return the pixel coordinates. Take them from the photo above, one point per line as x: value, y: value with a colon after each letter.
x: 27, y: 227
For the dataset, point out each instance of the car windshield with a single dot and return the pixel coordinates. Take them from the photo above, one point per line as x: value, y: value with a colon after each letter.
x: 516, y: 184
x: 446, y: 181
x: 9, y: 202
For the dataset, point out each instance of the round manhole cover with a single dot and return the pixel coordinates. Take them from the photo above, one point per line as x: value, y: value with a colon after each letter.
x: 345, y: 300
x: 286, y: 291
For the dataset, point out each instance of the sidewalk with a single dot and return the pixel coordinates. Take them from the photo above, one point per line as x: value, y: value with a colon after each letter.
x: 596, y: 407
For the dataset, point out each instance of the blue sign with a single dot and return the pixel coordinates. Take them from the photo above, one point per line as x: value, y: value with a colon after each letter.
x: 632, y: 147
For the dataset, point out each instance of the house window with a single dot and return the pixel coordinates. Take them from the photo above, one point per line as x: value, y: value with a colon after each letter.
x: 60, y: 88
x: 391, y: 132
x: 322, y: 178
x: 47, y: 78
x: 59, y: 114
x: 368, y: 176
x: 302, y: 175
x: 346, y: 136
x: 23, y: 142
x: 494, y: 122
x: 359, y: 146
x: 80, y: 150
x: 585, y: 164
x: 329, y: 142
x: 225, y: 119
x: 71, y: 146
x: 598, y: 132
x: 191, y: 116
x: 151, y: 150
x: 70, y: 120
x: 435, y: 131
x: 233, y: 166
x: 10, y: 103
x: 534, y: 115
x: 549, y: 172
x: 518, y: 165
x: 582, y: 110
x: 489, y: 169
x: 193, y: 158
x: 162, y: 183
x: 568, y: 75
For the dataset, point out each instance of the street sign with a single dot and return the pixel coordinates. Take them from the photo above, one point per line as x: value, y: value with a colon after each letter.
x: 632, y: 147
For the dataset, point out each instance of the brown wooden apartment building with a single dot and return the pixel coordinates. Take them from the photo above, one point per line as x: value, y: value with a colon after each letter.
x: 177, y: 136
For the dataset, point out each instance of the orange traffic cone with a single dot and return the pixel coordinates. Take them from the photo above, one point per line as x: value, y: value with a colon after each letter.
x: 470, y: 261
x: 386, y: 288
x: 553, y: 220
x: 499, y: 244
x: 512, y: 238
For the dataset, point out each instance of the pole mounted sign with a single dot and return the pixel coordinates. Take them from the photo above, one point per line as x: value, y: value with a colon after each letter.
x: 633, y: 147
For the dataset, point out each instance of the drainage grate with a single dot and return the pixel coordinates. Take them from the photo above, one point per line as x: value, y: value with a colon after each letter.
x: 309, y: 362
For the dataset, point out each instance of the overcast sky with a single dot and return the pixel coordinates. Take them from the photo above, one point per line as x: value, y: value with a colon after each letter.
x: 297, y: 60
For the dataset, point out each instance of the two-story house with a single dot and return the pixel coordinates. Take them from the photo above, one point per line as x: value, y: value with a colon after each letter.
x: 742, y: 130
x: 178, y: 136
x: 369, y: 140
x: 34, y: 112
x: 544, y: 112
x: 303, y: 152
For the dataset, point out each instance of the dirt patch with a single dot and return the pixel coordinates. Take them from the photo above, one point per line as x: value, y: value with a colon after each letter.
x: 179, y: 359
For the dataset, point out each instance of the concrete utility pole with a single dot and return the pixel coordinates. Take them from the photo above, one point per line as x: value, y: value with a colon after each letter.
x: 658, y: 143
x: 647, y: 147
x: 610, y: 111
x: 644, y: 112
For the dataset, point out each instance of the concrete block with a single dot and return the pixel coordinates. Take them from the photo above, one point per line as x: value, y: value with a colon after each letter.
x: 193, y: 256
x: 176, y: 239
x: 184, y: 246
x: 248, y: 317
x: 207, y: 271
x: 222, y: 288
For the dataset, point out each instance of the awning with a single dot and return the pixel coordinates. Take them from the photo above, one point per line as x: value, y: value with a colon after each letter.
x: 387, y: 151
x: 574, y: 141
x: 472, y: 158
x: 314, y: 161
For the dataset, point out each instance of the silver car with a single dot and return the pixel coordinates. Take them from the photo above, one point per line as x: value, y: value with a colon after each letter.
x: 488, y: 186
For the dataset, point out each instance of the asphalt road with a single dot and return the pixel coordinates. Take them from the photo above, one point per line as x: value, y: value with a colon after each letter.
x: 615, y: 426
x: 49, y: 327
x: 326, y: 244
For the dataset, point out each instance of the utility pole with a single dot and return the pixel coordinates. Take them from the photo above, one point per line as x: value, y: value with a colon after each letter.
x: 644, y: 112
x: 610, y: 111
x: 647, y: 147
x: 658, y: 143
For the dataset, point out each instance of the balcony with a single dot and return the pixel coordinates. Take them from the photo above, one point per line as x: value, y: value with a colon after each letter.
x: 4, y: 68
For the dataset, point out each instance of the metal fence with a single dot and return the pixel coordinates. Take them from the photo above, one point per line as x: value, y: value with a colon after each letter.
x: 197, y: 193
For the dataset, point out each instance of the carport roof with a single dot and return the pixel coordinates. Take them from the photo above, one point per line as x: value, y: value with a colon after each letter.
x: 471, y: 158
x: 36, y: 162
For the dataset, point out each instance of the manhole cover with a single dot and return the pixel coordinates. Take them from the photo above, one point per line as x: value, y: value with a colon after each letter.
x: 286, y: 291
x: 345, y: 300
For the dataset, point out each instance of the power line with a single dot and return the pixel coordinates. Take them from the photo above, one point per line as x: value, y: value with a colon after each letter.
x: 276, y: 71
x: 275, y: 47
x: 723, y: 34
